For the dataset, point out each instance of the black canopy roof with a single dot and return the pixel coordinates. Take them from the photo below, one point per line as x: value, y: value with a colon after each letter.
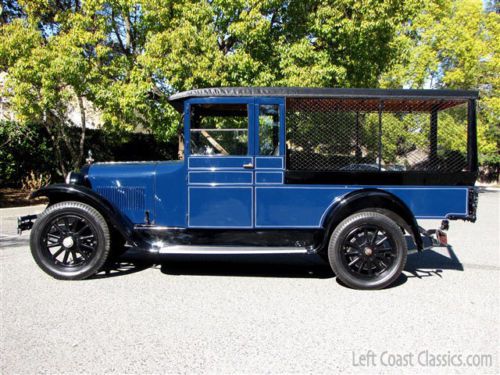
x: 178, y: 99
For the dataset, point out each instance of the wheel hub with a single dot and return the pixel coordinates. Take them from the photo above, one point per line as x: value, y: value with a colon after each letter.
x: 368, y: 251
x: 68, y: 242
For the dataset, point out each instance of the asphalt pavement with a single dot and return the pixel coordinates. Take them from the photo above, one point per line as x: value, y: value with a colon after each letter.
x: 255, y: 314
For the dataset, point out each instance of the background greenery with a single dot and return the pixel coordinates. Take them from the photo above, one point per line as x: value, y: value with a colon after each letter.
x: 127, y: 56
x: 30, y: 149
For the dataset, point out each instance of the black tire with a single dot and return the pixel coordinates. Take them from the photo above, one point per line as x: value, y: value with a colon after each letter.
x: 70, y: 241
x: 367, y: 250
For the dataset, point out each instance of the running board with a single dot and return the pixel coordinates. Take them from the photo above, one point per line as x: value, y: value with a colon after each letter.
x: 213, y: 250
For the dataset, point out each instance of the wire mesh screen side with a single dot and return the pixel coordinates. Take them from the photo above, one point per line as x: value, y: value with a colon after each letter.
x: 376, y: 135
x: 452, y: 139
x: 325, y: 139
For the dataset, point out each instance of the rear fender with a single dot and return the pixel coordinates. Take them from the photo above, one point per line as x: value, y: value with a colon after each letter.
x: 372, y: 200
x: 66, y: 192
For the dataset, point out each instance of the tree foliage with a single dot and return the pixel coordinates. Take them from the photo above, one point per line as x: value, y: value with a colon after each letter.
x: 127, y: 56
x: 456, y: 45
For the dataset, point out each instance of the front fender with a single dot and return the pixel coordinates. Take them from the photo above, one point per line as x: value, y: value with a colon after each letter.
x: 64, y: 192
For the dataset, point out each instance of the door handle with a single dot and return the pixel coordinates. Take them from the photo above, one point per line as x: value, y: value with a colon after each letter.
x: 248, y: 166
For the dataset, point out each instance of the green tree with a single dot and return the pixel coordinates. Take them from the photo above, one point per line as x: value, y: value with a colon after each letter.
x: 127, y: 56
x: 51, y: 64
x: 454, y: 44
x: 61, y: 54
x: 342, y: 43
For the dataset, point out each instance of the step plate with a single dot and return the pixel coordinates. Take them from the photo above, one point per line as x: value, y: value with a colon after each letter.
x: 180, y: 249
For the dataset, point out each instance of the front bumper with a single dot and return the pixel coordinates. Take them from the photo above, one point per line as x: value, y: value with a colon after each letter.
x: 25, y: 223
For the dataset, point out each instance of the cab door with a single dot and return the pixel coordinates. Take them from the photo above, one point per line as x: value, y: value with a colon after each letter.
x: 269, y: 151
x: 219, y: 149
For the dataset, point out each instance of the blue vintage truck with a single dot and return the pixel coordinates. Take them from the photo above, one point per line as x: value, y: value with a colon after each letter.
x: 344, y: 173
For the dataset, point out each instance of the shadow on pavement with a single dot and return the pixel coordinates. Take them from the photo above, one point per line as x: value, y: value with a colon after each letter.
x: 122, y: 267
x: 14, y: 241
x: 485, y: 189
x: 431, y: 263
x: 291, y: 266
x: 427, y: 264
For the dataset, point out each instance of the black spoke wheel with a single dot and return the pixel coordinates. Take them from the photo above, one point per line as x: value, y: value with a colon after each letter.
x: 367, y: 251
x: 70, y: 240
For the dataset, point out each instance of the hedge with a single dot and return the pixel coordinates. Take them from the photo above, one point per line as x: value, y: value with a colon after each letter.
x: 29, y: 148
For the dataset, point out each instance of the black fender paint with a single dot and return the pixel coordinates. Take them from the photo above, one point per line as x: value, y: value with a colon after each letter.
x: 65, y: 192
x: 366, y: 199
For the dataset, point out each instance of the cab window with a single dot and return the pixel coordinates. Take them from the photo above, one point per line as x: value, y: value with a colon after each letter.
x: 269, y: 125
x: 219, y: 129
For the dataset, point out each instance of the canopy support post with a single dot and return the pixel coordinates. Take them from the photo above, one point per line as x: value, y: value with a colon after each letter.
x: 380, y: 108
x: 358, y: 148
x: 433, y: 136
x: 472, y: 136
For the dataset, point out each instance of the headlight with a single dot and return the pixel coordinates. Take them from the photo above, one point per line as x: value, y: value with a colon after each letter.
x: 74, y: 178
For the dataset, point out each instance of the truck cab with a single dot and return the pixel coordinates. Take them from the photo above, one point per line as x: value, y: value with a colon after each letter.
x: 345, y: 173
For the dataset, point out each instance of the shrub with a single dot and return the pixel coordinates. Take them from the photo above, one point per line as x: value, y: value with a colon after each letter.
x: 34, y: 181
x: 27, y: 151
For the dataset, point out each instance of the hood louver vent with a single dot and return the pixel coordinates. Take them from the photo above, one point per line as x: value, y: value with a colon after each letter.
x: 131, y: 198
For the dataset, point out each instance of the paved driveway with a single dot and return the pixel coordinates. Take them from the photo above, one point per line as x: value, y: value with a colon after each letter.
x: 256, y: 314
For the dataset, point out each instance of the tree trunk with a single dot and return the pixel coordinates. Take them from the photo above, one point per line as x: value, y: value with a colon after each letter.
x: 57, y: 147
x: 60, y: 127
x: 128, y: 30
x: 67, y: 141
x: 117, y: 32
x: 180, y: 151
x: 82, y: 135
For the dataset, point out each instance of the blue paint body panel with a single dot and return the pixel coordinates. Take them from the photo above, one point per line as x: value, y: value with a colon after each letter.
x: 433, y: 202
x: 220, y: 207
x: 129, y: 186
x: 218, y: 162
x: 263, y: 178
x: 228, y: 201
x: 270, y: 162
x: 225, y: 177
x: 219, y: 192
x: 293, y: 207
x: 305, y: 206
x: 170, y: 194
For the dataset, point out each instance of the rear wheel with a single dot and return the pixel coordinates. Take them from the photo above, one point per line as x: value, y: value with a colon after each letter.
x: 367, y: 251
x: 70, y: 240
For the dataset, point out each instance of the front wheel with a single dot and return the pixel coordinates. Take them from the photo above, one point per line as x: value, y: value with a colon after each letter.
x: 70, y: 240
x: 367, y: 251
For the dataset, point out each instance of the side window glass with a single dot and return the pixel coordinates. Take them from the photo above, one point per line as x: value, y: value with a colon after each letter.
x: 219, y: 129
x: 269, y: 129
